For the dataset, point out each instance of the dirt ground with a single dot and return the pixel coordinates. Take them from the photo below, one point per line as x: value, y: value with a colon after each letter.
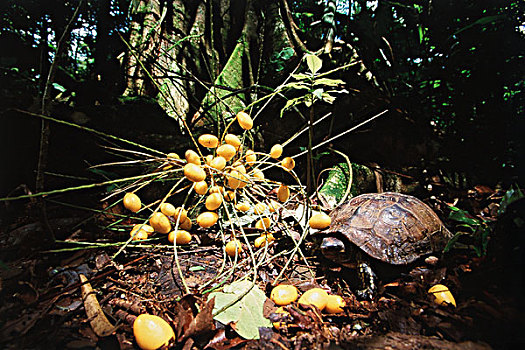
x: 44, y: 304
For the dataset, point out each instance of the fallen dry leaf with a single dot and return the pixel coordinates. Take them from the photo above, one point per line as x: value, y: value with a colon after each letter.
x: 98, y: 321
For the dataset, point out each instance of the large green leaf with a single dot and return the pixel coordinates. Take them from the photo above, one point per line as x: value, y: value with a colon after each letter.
x: 245, y: 315
x: 314, y: 63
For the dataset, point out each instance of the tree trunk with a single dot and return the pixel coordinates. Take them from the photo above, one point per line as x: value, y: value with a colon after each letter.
x: 200, y: 59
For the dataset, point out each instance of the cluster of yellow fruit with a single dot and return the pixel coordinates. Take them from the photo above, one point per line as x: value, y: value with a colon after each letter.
x: 221, y: 177
x: 284, y: 294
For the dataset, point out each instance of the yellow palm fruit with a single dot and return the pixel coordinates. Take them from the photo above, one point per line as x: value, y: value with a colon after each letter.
x: 283, y: 193
x: 208, y: 159
x: 183, y: 213
x: 259, y: 208
x: 217, y: 189
x: 232, y: 140
x: 239, y: 167
x: 213, y: 201
x: 276, y: 151
x: 192, y: 157
x: 160, y: 222
x: 334, y: 304
x: 186, y: 224
x: 167, y: 209
x: 194, y: 172
x: 442, y: 295
x: 208, y: 140
x: 244, y: 120
x: 218, y: 163
x: 288, y: 163
x: 284, y: 294
x: 263, y: 240
x: 132, y: 202
x: 233, y: 247
x: 250, y: 157
x: 181, y: 237
x: 229, y: 196
x: 207, y: 219
x: 173, y: 155
x: 320, y: 221
x: 273, y: 206
x: 141, y: 231
x: 258, y: 174
x: 263, y: 224
x: 201, y: 187
x: 234, y: 179
x: 315, y: 296
x: 242, y: 207
x: 226, y: 150
x: 152, y: 332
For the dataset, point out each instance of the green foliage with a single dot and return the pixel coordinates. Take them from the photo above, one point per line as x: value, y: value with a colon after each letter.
x: 312, y: 86
x: 475, y: 228
x: 454, y: 65
x: 279, y: 60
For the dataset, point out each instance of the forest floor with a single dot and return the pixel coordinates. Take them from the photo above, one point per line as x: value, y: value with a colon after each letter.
x: 44, y: 305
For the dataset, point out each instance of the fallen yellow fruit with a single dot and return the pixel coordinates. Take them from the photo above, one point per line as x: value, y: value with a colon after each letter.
x: 284, y: 294
x: 233, y: 247
x: 151, y: 332
x: 334, y: 304
x: 442, y: 295
x: 315, y: 296
x: 181, y: 237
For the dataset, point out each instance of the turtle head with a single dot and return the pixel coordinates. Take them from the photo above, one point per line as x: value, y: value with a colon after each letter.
x: 335, y: 249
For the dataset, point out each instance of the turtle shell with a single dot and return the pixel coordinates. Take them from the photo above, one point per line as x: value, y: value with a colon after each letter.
x: 391, y: 227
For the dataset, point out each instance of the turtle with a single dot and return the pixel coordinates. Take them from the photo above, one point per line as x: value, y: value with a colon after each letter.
x: 389, y: 227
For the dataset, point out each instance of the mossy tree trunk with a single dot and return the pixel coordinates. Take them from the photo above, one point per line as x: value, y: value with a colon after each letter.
x: 202, y: 59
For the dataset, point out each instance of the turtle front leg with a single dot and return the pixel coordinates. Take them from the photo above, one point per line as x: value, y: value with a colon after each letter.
x: 367, y: 278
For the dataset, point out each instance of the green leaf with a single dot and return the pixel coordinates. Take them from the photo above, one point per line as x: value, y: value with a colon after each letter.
x: 460, y: 215
x: 328, y: 82
x: 481, y: 21
x: 513, y: 193
x: 296, y: 85
x: 328, y: 98
x: 286, y: 53
x: 59, y: 87
x: 196, y: 268
x: 318, y: 93
x: 301, y: 76
x: 314, y: 63
x: 452, y: 241
x: 291, y: 103
x: 246, y: 315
